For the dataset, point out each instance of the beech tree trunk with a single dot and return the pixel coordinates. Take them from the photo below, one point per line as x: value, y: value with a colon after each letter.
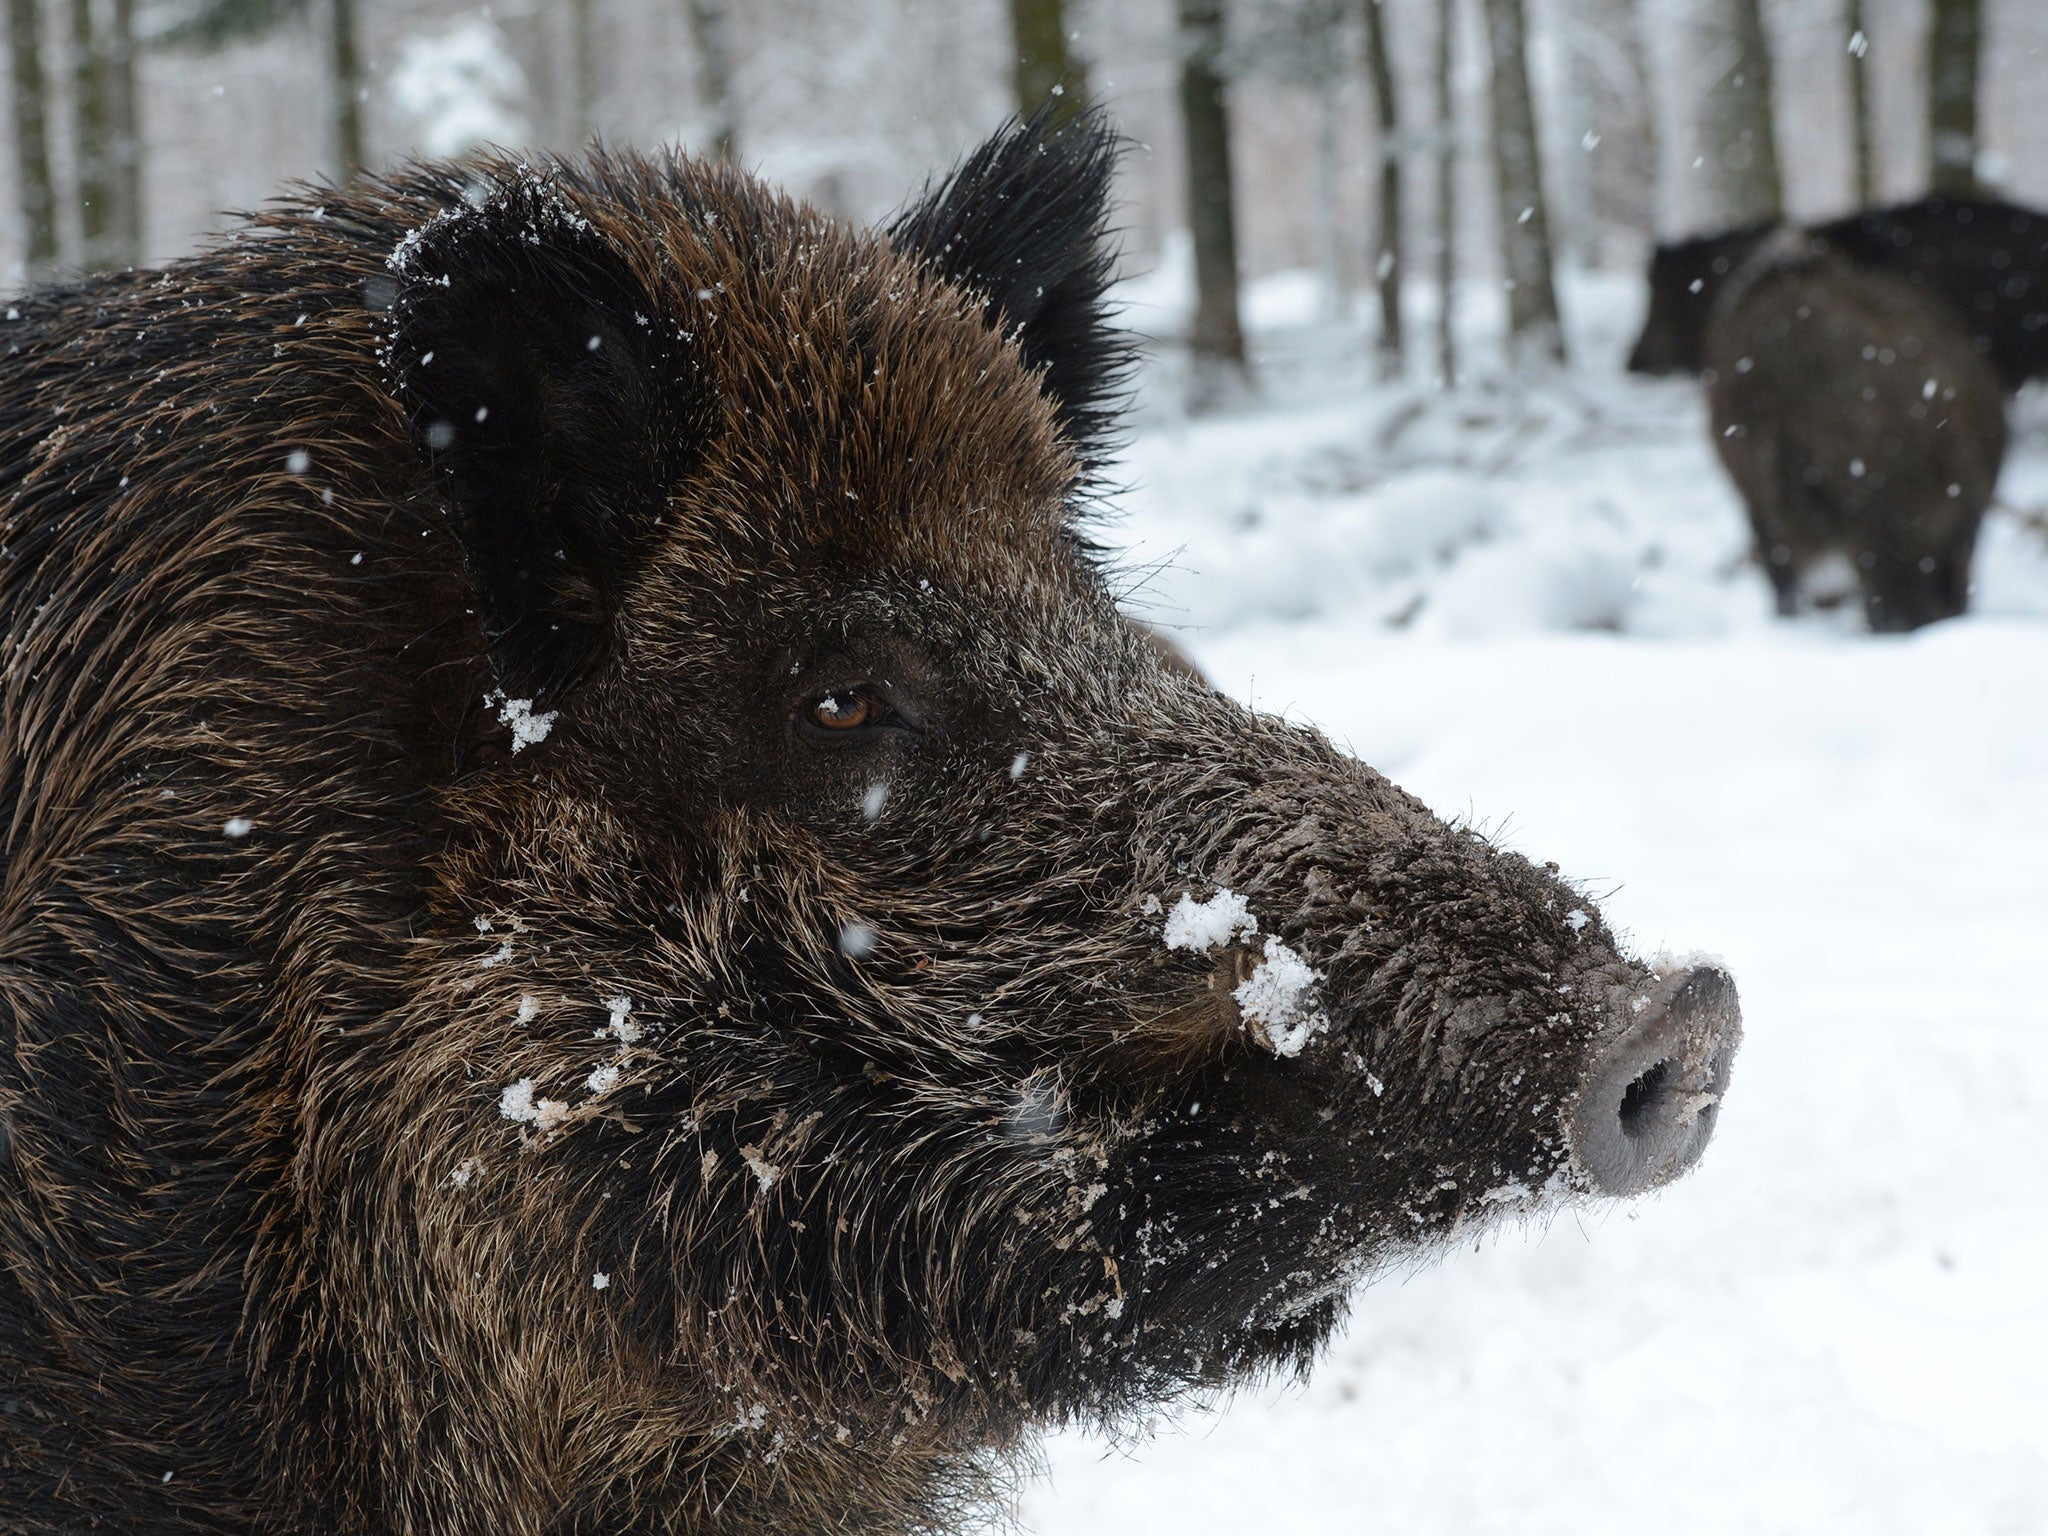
x: 92, y: 137
x: 1215, y: 335
x: 1857, y: 49
x: 33, y: 180
x: 713, y: 42
x: 345, y: 83
x: 1534, y: 332
x: 583, y: 69
x: 1446, y: 190
x: 1335, y: 303
x: 1047, y: 70
x: 1741, y: 141
x: 1387, y: 256
x: 124, y: 133
x: 1953, y: 47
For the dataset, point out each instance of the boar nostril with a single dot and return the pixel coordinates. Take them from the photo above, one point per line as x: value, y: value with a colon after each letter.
x: 1653, y: 1089
x: 1642, y: 1100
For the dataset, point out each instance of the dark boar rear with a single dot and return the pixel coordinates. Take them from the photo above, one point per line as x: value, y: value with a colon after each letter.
x: 606, y: 929
x: 1983, y: 258
x: 1858, y: 421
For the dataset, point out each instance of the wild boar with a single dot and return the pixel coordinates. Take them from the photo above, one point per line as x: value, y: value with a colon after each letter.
x: 1985, y: 258
x: 607, y: 929
x: 1860, y: 424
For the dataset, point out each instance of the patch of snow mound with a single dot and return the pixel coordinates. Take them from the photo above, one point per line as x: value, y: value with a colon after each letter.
x: 1277, y: 1001
x: 1425, y: 518
x: 1534, y: 583
x: 1206, y: 925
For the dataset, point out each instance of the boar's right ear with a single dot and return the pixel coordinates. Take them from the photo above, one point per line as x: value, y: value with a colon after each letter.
x: 1023, y: 221
x: 556, y: 409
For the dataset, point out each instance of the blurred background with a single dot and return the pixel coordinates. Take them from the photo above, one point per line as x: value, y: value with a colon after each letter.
x: 1387, y: 473
x: 133, y: 123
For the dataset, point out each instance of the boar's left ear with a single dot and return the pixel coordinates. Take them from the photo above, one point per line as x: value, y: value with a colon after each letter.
x: 555, y: 408
x: 1022, y: 221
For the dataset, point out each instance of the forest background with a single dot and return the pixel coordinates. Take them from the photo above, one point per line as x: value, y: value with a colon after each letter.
x: 1360, y: 139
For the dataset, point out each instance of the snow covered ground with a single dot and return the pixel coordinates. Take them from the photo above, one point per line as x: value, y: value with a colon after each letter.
x: 1531, y: 609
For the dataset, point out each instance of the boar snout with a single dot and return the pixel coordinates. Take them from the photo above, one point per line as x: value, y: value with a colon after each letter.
x: 1654, y: 1087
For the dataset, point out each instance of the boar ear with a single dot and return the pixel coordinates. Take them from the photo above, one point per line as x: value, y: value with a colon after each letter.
x: 1022, y: 222
x: 556, y: 409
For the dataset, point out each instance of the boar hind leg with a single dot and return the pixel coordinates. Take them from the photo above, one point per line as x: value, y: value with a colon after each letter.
x: 1776, y: 559
x: 1901, y: 594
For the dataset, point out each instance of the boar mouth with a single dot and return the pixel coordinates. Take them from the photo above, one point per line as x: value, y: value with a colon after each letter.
x: 1653, y: 1091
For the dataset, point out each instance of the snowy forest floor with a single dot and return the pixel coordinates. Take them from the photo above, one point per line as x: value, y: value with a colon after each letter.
x: 1530, y: 606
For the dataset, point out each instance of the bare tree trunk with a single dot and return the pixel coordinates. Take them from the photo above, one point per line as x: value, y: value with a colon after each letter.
x: 1858, y: 51
x: 1215, y: 335
x: 1740, y: 123
x: 36, y: 185
x: 124, y: 132
x: 1625, y: 161
x: 92, y: 141
x: 583, y: 69
x: 1952, y: 53
x: 1534, y: 332
x: 1046, y: 70
x: 713, y: 42
x: 1387, y: 258
x: 1448, y: 12
x: 345, y: 81
x: 1330, y: 263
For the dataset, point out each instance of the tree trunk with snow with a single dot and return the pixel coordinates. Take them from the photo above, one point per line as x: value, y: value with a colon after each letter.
x: 345, y: 85
x: 1047, y: 69
x: 1387, y: 257
x: 1215, y: 334
x: 1446, y: 189
x: 711, y: 37
x: 1739, y: 122
x: 1534, y: 332
x: 1953, y: 48
x: 1857, y: 50
x: 35, y: 186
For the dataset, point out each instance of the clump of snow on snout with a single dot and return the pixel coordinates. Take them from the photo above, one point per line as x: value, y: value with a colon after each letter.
x: 1669, y: 963
x: 517, y: 716
x: 1206, y: 925
x: 1278, y: 1001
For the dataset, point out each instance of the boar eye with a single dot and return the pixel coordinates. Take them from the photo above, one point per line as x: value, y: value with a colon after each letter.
x: 845, y: 711
x: 852, y: 714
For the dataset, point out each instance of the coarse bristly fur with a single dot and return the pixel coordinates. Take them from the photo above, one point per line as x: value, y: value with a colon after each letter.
x: 587, y: 855
x: 1858, y: 421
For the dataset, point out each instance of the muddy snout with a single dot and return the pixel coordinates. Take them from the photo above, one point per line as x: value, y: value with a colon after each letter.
x: 1653, y: 1089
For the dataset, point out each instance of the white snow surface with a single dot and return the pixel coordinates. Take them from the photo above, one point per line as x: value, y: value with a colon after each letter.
x: 1530, y: 607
